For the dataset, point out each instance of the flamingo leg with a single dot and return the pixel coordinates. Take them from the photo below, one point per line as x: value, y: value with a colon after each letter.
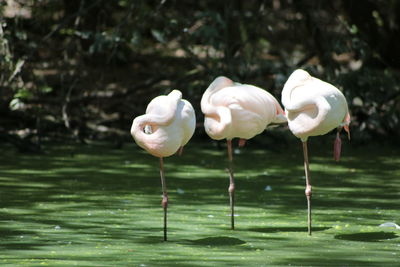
x: 231, y: 188
x: 337, y: 147
x: 308, y: 190
x: 164, y: 201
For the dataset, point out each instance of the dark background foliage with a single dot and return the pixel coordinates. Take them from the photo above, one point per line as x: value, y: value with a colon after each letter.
x: 82, y: 70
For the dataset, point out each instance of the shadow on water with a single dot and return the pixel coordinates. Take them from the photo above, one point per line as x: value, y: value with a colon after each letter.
x: 286, y: 229
x: 368, y: 237
x: 217, y: 241
x: 207, y: 241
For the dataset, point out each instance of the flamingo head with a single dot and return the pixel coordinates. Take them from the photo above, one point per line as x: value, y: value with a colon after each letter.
x: 154, y: 130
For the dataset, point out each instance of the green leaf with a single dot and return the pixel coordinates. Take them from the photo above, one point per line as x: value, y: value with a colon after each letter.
x: 46, y: 89
x: 16, y: 104
x: 159, y: 36
x: 23, y: 93
x: 17, y: 69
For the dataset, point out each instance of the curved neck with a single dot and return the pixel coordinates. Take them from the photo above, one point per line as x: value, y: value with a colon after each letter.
x: 297, y: 79
x: 139, y: 123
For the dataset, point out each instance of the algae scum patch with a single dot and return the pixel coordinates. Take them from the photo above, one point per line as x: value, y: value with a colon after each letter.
x: 97, y: 206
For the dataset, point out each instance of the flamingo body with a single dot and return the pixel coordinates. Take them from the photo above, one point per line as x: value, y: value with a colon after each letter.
x: 238, y: 110
x: 313, y: 107
x: 168, y: 124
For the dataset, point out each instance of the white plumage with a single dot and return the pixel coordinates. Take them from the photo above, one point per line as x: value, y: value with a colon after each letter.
x: 238, y: 110
x: 168, y: 124
x: 313, y: 107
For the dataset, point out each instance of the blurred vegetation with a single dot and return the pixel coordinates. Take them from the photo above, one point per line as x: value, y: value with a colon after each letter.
x: 83, y: 69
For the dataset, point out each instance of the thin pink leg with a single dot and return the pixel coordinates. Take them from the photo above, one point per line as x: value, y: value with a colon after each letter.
x: 231, y: 188
x: 164, y: 201
x: 337, y: 147
x: 308, y: 190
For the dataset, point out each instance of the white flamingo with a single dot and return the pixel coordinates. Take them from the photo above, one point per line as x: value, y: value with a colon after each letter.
x: 237, y: 110
x: 314, y: 107
x: 167, y: 126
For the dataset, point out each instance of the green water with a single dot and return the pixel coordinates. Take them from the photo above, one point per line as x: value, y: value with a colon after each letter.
x: 98, y: 206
